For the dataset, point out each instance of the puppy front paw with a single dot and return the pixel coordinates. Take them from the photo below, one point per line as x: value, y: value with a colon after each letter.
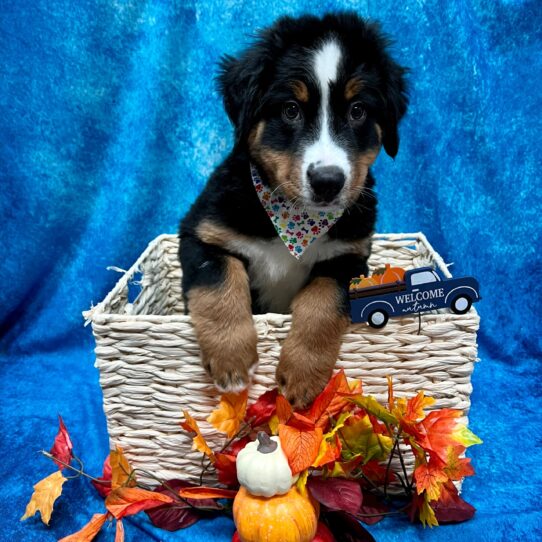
x: 301, y: 376
x: 228, y: 376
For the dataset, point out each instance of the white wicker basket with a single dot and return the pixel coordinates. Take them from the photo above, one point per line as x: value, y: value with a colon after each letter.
x: 150, y: 370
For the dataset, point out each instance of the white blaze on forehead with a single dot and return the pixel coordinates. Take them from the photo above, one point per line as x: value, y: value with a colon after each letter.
x: 325, y: 151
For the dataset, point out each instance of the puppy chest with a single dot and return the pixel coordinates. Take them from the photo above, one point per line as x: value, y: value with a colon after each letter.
x: 275, y: 275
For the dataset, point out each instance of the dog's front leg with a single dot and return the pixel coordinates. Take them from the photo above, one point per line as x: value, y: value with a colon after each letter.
x: 320, y: 316
x: 219, y: 302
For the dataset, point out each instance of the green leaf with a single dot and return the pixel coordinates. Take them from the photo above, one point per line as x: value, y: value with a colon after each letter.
x: 359, y: 439
x: 465, y: 436
x: 372, y: 406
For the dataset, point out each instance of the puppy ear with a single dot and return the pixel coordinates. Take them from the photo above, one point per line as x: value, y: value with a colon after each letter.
x: 239, y: 83
x: 396, y: 102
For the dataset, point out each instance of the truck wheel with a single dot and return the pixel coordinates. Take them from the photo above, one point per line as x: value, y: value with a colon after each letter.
x: 378, y: 318
x: 461, y: 304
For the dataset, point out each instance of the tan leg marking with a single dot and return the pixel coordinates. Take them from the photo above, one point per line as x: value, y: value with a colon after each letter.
x: 301, y: 92
x: 222, y: 318
x: 282, y: 168
x: 311, y: 349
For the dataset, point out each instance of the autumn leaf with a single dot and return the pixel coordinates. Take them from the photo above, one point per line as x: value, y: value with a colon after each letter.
x: 46, y: 492
x: 263, y: 409
x: 300, y: 447
x: 226, y: 469
x: 274, y: 423
x: 127, y: 501
x: 62, y: 447
x: 411, y: 410
x: 333, y: 399
x: 202, y: 492
x: 429, y: 477
x: 199, y: 443
x: 435, y: 431
x: 343, y: 469
x: 230, y: 413
x: 391, y: 398
x: 103, y: 484
x: 89, y: 531
x: 121, y: 472
x: 336, y: 493
x: 421, y: 509
x: 451, y: 508
x: 464, y: 436
x: 359, y: 439
x: 457, y: 467
x: 330, y: 450
x: 372, y: 406
x: 301, y: 483
x: 284, y: 409
x: 119, y: 531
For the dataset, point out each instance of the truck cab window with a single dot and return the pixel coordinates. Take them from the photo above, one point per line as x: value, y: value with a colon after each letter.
x: 423, y: 278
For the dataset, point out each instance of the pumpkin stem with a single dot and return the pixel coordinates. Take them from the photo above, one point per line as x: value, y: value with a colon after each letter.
x: 266, y: 445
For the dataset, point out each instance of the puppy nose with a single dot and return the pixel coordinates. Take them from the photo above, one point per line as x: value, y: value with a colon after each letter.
x: 326, y: 182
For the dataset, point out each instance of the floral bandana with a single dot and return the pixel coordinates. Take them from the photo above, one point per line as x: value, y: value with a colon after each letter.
x: 298, y: 228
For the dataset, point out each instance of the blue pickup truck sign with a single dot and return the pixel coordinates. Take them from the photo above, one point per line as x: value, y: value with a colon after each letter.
x: 421, y: 290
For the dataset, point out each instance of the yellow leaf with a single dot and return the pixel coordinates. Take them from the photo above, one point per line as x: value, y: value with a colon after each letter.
x: 372, y: 406
x: 229, y: 414
x: 274, y: 424
x: 199, y: 442
x: 89, y: 531
x: 121, y: 472
x: 46, y: 492
x: 301, y: 483
x: 360, y: 439
x: 465, y: 436
x: 429, y: 478
x: 427, y: 514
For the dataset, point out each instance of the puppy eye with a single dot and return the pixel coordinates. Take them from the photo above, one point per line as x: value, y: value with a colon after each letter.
x: 291, y: 111
x: 357, y: 112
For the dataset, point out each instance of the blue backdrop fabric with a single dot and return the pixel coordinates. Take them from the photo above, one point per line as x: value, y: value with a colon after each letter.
x: 110, y: 124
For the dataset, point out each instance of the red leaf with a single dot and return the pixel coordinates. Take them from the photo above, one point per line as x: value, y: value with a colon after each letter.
x: 300, y: 447
x: 323, y: 534
x: 103, y: 486
x: 179, y: 514
x: 62, y: 447
x: 336, y: 493
x: 451, y: 508
x: 346, y: 528
x: 371, y: 509
x: 226, y: 469
x: 284, y: 409
x: 301, y: 422
x: 127, y: 501
x: 322, y: 401
x: 202, y: 492
x: 237, y: 445
x: 261, y: 411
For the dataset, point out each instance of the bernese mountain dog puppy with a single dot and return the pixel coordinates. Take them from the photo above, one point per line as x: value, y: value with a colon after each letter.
x: 312, y: 101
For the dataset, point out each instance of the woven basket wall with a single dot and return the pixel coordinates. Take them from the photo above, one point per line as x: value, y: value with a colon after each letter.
x: 148, y: 357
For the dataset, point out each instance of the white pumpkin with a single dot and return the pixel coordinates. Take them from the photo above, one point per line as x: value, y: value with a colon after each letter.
x: 262, y: 467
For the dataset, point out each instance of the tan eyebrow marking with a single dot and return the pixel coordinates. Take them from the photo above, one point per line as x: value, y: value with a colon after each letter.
x: 300, y: 90
x: 353, y: 86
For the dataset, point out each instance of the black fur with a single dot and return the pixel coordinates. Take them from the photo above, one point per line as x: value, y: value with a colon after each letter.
x: 254, y: 87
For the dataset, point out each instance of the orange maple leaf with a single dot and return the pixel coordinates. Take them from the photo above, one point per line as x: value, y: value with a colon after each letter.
x: 436, y: 431
x: 230, y: 413
x: 202, y: 492
x: 127, y: 501
x: 330, y: 450
x: 46, y: 492
x: 121, y: 472
x: 119, y: 531
x: 284, y: 409
x: 457, y: 467
x: 199, y: 442
x: 429, y: 477
x: 89, y: 531
x: 301, y: 447
x: 333, y: 399
x: 411, y: 410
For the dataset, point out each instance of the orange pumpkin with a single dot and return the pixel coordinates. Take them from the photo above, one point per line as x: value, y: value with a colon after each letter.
x: 283, y: 518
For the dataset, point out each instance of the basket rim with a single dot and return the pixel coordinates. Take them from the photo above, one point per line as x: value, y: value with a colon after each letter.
x: 98, y: 314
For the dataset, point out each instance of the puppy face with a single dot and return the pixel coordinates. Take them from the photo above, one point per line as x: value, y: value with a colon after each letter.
x: 320, y: 97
